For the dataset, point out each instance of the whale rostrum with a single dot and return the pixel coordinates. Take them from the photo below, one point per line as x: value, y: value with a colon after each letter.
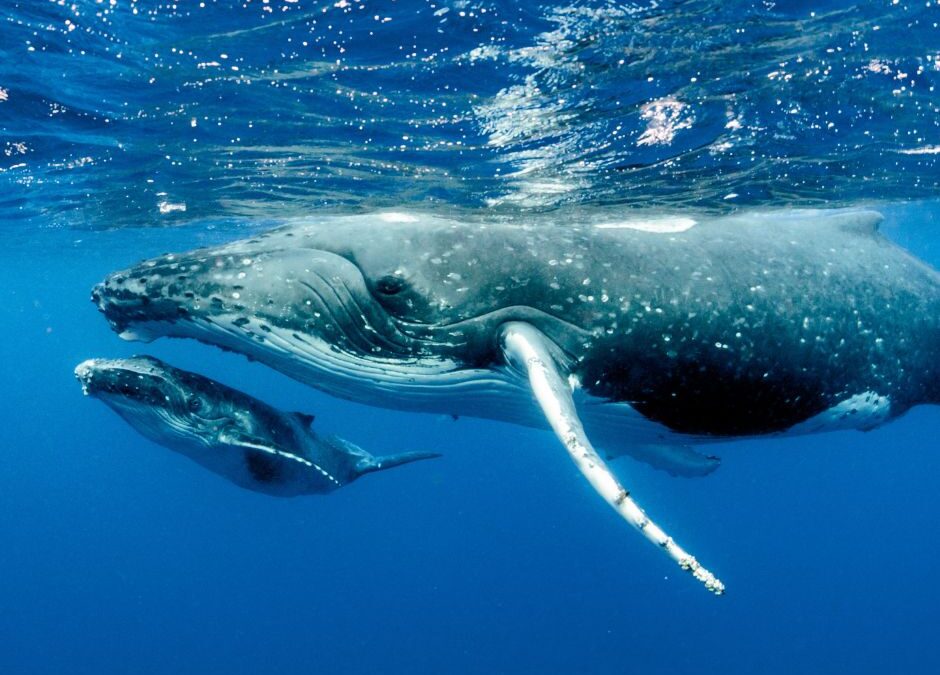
x: 648, y: 336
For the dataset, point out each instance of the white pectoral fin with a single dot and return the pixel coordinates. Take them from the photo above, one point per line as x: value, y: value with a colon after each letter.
x: 530, y: 351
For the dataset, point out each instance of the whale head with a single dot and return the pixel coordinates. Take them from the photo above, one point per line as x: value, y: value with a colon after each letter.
x: 394, y: 302
x: 155, y: 399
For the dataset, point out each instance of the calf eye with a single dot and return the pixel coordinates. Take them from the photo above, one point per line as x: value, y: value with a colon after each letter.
x: 194, y: 404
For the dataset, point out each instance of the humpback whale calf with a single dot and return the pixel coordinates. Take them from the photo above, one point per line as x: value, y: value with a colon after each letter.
x: 229, y: 433
x: 643, y: 336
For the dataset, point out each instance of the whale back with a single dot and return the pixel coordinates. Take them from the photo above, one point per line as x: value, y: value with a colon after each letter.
x: 751, y: 325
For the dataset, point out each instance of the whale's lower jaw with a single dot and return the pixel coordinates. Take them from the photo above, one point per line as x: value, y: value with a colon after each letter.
x: 420, y: 385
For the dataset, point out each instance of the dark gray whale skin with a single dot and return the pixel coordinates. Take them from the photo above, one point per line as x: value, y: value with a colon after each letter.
x: 734, y: 326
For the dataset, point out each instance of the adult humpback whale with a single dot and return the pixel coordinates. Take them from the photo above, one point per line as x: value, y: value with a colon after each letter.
x: 645, y: 336
x: 227, y: 432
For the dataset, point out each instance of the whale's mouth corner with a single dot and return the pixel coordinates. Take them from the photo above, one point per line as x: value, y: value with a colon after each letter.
x: 137, y: 335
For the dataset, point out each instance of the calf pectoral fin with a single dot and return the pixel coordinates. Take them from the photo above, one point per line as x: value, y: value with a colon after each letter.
x: 530, y: 351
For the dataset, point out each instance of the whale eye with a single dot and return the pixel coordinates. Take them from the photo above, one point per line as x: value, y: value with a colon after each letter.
x: 194, y: 404
x: 402, y: 296
x: 390, y: 285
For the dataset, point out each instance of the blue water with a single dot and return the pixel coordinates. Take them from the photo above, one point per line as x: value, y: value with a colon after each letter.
x: 133, y: 133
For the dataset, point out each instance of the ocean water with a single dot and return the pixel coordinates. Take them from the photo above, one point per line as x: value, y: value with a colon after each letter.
x: 128, y: 129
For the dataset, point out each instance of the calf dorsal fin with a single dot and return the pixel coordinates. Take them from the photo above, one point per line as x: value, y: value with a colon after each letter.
x: 306, y: 419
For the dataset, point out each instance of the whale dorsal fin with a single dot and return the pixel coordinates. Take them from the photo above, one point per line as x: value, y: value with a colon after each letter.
x: 305, y: 419
x: 860, y: 222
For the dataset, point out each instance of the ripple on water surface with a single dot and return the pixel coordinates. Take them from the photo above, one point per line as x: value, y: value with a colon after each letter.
x: 118, y: 114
